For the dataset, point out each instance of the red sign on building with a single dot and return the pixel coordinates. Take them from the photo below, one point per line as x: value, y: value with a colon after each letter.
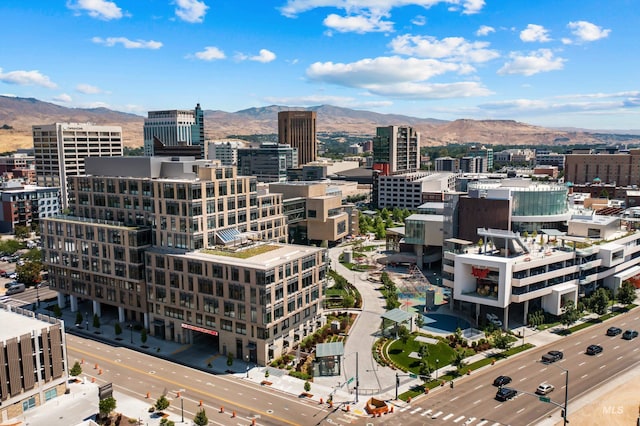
x: 200, y: 329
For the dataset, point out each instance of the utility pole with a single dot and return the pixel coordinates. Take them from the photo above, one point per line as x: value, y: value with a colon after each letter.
x: 397, y: 383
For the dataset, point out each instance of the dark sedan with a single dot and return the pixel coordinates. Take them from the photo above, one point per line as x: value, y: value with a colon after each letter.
x: 501, y: 381
x: 630, y: 334
x: 613, y: 331
x: 594, y: 349
x: 504, y: 394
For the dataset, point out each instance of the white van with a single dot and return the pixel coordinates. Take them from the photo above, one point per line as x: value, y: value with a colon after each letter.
x: 15, y: 289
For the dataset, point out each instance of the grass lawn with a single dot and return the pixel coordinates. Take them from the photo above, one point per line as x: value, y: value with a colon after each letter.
x: 399, y: 354
x: 243, y: 254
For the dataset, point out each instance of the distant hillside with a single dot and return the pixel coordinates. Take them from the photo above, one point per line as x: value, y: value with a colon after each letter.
x: 21, y: 113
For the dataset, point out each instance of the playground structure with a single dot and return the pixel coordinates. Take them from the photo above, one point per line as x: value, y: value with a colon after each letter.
x: 414, y: 287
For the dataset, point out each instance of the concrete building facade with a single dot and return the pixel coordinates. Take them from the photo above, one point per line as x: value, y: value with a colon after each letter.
x: 33, y: 356
x: 61, y: 148
x: 396, y: 149
x: 619, y: 169
x: 269, y: 163
x: 26, y: 204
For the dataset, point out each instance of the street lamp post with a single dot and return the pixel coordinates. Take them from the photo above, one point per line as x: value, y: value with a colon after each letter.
x: 86, y: 315
x: 182, y: 407
x: 247, y: 358
x: 437, y: 362
x: 566, y: 392
x: 131, y: 333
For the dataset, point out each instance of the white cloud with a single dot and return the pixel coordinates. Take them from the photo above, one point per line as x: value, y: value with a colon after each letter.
x: 381, y: 70
x: 534, y: 33
x: 586, y: 31
x: 63, y: 98
x: 419, y: 20
x: 27, y: 78
x: 313, y: 100
x: 371, y: 10
x: 411, y: 90
x: 358, y: 24
x: 88, y: 89
x: 264, y: 56
x: 191, y: 10
x: 485, y: 30
x: 210, y: 53
x: 541, y: 60
x: 101, y: 9
x: 451, y: 48
x: 128, y: 44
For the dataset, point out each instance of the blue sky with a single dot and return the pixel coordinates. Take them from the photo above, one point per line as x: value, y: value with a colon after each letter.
x: 555, y: 63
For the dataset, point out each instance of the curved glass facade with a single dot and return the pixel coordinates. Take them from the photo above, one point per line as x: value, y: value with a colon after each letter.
x: 531, y: 200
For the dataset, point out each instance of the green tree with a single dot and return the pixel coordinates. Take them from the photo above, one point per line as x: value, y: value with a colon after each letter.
x: 423, y: 350
x: 117, y: 328
x: 96, y: 321
x: 57, y: 312
x: 229, y: 359
x: 167, y: 422
x: 569, y: 313
x: 348, y: 301
x: 419, y: 320
x: 143, y: 336
x: 162, y: 403
x: 626, y: 293
x: 76, y: 370
x: 307, y: 386
x: 600, y: 301
x: 458, y: 359
x: 201, y: 418
x: 9, y: 246
x: 33, y: 255
x: 79, y: 318
x: 502, y: 341
x: 106, y: 406
x: 424, y: 369
x: 21, y: 232
x: 403, y: 334
x: 29, y: 273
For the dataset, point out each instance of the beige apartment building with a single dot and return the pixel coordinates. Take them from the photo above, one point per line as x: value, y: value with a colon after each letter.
x: 190, y: 250
x: 253, y: 301
x: 315, y: 212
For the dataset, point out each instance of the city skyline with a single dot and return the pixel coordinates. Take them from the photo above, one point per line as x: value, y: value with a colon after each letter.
x: 549, y: 63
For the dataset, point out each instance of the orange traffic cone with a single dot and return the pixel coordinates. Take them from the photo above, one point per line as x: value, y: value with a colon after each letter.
x: 100, y: 371
x: 233, y: 414
x: 95, y: 367
x: 320, y: 400
x: 177, y: 394
x: 253, y: 422
x: 392, y: 408
x: 82, y: 361
x: 201, y: 403
x: 148, y: 395
x: 222, y: 409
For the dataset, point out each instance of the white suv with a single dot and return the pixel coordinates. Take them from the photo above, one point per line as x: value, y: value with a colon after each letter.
x: 493, y: 319
x: 544, y: 389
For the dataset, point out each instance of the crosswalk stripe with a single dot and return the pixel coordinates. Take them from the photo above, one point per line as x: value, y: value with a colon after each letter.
x: 448, y: 416
x: 416, y: 410
x: 426, y: 413
x: 458, y: 419
x: 469, y: 420
x: 482, y: 423
x: 435, y: 416
x: 402, y: 410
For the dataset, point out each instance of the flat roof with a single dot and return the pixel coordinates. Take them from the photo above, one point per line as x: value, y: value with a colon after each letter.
x: 397, y: 315
x: 458, y: 241
x: 426, y: 217
x: 329, y: 349
x: 15, y: 324
x: 284, y: 253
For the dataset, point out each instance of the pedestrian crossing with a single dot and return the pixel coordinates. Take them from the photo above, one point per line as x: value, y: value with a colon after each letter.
x: 447, y: 417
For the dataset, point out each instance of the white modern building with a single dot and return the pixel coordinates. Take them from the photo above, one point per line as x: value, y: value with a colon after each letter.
x: 224, y: 150
x: 511, y: 275
x: 60, y: 150
x: 406, y: 190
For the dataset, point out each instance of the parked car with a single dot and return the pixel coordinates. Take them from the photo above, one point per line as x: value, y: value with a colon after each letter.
x: 10, y: 283
x: 504, y: 394
x: 630, y: 334
x: 501, y: 381
x: 594, y: 349
x: 15, y: 289
x: 13, y: 276
x: 493, y: 319
x: 544, y: 388
x: 3, y: 273
x: 552, y: 356
x: 613, y: 331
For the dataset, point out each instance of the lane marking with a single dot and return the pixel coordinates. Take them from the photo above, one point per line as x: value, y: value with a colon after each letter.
x: 482, y: 423
x: 544, y: 369
x: 582, y: 363
x: 585, y: 375
x: 603, y: 366
x: 520, y: 410
x: 498, y: 406
x: 478, y: 387
x: 458, y: 419
x: 416, y: 410
x: 454, y: 398
x: 477, y: 402
x: 435, y: 416
x: 577, y: 343
x: 619, y: 358
x: 523, y: 379
x: 520, y: 368
x: 426, y: 413
x: 471, y: 419
x: 447, y: 417
x: 616, y: 347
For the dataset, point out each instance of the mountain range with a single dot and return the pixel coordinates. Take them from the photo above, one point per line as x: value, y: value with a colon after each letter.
x: 17, y: 115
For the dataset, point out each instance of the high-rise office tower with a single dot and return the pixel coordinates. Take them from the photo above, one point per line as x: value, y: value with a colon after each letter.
x: 396, y: 149
x: 60, y: 150
x: 174, y: 128
x: 298, y: 129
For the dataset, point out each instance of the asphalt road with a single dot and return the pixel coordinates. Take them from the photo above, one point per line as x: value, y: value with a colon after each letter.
x: 134, y: 374
x: 471, y: 401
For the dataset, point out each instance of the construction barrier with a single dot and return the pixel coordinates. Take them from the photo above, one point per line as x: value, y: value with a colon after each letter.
x: 100, y: 371
x: 348, y: 408
x: 233, y: 414
x: 95, y: 367
x: 222, y: 409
